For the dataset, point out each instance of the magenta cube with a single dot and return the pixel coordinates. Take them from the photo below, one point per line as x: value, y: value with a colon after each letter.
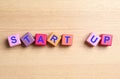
x: 41, y: 39
x: 14, y: 40
x: 27, y: 39
x: 106, y: 39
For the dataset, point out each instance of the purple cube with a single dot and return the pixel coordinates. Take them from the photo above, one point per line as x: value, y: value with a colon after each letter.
x: 27, y: 39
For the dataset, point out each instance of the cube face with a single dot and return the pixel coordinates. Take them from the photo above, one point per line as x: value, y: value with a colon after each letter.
x: 67, y: 39
x: 14, y: 40
x: 106, y: 39
x: 27, y: 39
x: 40, y: 39
x: 93, y: 39
x: 54, y: 39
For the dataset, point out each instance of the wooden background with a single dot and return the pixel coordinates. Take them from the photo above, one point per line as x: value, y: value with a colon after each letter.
x: 78, y: 17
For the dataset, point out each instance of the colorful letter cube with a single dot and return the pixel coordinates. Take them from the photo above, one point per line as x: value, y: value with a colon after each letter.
x: 106, y: 39
x: 27, y: 39
x: 40, y: 39
x: 54, y: 39
x: 67, y: 39
x: 14, y: 40
x: 93, y: 39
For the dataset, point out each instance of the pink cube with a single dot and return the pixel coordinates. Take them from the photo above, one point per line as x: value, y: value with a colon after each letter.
x: 106, y: 39
x: 14, y: 40
x: 67, y: 39
x: 93, y: 39
x: 41, y: 39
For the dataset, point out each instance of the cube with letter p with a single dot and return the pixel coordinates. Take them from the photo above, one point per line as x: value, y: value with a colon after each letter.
x: 106, y: 39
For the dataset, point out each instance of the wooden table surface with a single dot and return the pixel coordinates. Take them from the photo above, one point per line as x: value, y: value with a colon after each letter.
x: 78, y: 17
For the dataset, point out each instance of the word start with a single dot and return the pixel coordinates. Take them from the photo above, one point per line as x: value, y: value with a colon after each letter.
x: 54, y: 39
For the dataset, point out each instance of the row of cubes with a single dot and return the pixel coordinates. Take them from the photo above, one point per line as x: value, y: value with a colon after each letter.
x: 54, y: 39
x: 40, y: 39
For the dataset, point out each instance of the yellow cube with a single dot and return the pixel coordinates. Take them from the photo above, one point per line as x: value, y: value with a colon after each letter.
x: 54, y: 39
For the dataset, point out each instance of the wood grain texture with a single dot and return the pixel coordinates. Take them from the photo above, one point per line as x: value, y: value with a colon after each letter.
x: 77, y: 17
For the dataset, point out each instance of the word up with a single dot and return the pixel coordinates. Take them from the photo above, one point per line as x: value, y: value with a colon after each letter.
x: 103, y: 39
x: 40, y: 39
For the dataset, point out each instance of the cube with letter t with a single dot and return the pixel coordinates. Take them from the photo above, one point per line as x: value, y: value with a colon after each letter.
x: 54, y: 39
x: 67, y: 39
x: 27, y: 39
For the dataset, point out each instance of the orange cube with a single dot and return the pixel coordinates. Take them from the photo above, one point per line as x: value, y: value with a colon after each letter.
x: 54, y: 39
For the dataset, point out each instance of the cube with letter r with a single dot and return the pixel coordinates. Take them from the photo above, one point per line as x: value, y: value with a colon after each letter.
x: 40, y: 39
x: 67, y: 39
x: 54, y: 39
x: 14, y: 40
x: 106, y: 39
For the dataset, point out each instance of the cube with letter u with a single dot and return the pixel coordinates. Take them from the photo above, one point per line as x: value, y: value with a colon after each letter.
x: 93, y: 39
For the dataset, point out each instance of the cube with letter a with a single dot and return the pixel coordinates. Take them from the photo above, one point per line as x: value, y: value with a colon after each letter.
x: 106, y: 39
x: 14, y: 40
x: 54, y: 39
x: 67, y: 39
x: 93, y: 39
x: 40, y: 39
